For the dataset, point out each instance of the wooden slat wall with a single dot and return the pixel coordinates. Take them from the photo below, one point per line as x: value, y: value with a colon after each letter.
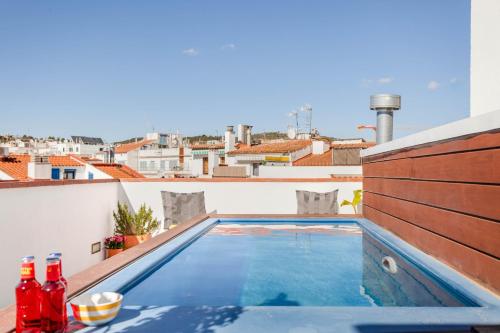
x: 443, y: 198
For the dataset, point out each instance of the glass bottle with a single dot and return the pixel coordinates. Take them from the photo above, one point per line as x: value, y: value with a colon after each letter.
x: 62, y: 278
x: 28, y: 298
x: 53, y: 308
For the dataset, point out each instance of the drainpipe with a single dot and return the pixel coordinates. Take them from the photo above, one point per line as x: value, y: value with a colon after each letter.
x: 385, y: 105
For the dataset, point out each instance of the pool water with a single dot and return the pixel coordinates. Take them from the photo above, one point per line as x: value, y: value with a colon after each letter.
x: 288, y: 264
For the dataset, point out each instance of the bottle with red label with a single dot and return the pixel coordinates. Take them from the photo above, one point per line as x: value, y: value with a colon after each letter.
x: 28, y: 298
x: 61, y: 277
x: 53, y: 306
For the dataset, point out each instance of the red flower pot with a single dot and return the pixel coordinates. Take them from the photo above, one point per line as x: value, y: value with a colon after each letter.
x: 112, y: 252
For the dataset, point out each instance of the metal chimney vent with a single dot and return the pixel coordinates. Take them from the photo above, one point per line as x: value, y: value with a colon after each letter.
x: 4, y: 151
x: 385, y: 105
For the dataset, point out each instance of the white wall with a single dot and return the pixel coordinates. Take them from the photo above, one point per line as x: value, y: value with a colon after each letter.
x: 39, y: 220
x: 4, y: 176
x: 266, y: 171
x: 237, y: 197
x: 197, y: 166
x: 98, y: 174
x: 485, y: 57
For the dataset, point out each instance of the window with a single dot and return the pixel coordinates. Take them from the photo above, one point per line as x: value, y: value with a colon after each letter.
x: 143, y: 165
x: 69, y: 174
x: 162, y: 164
x: 350, y: 156
x: 91, y: 176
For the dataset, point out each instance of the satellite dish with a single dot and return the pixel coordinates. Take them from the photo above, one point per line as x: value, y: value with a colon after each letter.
x: 292, y: 132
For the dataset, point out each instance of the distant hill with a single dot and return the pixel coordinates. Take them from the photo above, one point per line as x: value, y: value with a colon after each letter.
x: 269, y: 136
x: 202, y: 138
x: 128, y: 141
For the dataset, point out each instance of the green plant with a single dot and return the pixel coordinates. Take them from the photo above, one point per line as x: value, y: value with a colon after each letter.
x: 141, y: 223
x: 144, y: 223
x: 124, y: 220
x: 358, y: 194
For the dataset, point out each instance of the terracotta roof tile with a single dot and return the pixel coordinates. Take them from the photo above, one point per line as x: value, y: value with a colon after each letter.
x: 16, y: 166
x: 63, y: 161
x: 325, y: 159
x: 125, y: 148
x: 117, y: 171
x: 361, y: 145
x: 270, y: 148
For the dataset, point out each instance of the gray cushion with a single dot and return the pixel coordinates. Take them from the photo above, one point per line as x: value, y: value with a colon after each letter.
x: 317, y: 203
x: 181, y: 207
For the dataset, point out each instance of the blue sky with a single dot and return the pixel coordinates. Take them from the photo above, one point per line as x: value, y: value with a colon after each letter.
x: 116, y: 69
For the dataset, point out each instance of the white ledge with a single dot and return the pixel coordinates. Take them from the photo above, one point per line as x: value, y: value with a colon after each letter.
x: 482, y: 123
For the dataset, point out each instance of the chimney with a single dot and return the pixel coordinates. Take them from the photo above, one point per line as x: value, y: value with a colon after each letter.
x: 4, y: 151
x: 242, y: 133
x: 319, y: 147
x: 229, y: 139
x: 39, y: 167
x: 249, y: 135
x: 385, y: 105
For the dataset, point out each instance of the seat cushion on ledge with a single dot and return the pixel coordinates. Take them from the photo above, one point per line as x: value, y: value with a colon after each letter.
x: 181, y: 207
x: 317, y: 203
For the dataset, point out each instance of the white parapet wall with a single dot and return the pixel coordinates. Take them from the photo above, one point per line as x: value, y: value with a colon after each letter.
x: 237, y: 197
x: 37, y: 220
x: 485, y: 57
x: 266, y: 171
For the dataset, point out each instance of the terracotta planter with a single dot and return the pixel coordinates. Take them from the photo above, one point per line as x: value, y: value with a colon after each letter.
x: 112, y: 252
x: 133, y: 240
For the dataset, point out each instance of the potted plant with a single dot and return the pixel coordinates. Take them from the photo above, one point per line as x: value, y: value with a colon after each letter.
x: 114, y: 245
x: 135, y: 228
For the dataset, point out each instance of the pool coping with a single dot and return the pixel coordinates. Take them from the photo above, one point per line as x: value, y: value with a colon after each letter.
x: 326, y: 319
x: 86, y: 279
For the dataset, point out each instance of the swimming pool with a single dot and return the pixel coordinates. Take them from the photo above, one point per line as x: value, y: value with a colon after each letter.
x: 231, y: 274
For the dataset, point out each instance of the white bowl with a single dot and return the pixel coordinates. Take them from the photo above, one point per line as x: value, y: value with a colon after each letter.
x: 96, y: 309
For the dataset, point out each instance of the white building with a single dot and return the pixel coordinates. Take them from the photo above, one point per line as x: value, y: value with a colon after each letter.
x: 156, y: 156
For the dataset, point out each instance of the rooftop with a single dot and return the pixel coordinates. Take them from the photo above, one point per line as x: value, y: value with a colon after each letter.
x: 16, y: 166
x: 289, y: 146
x: 64, y: 161
x: 325, y: 159
x: 118, y: 171
x: 125, y: 148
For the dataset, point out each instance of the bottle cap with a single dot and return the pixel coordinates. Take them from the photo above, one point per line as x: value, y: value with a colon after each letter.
x: 28, y: 259
x: 52, y: 259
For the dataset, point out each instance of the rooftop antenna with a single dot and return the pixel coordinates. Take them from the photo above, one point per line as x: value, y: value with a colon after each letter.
x: 307, y: 110
x: 295, y: 114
